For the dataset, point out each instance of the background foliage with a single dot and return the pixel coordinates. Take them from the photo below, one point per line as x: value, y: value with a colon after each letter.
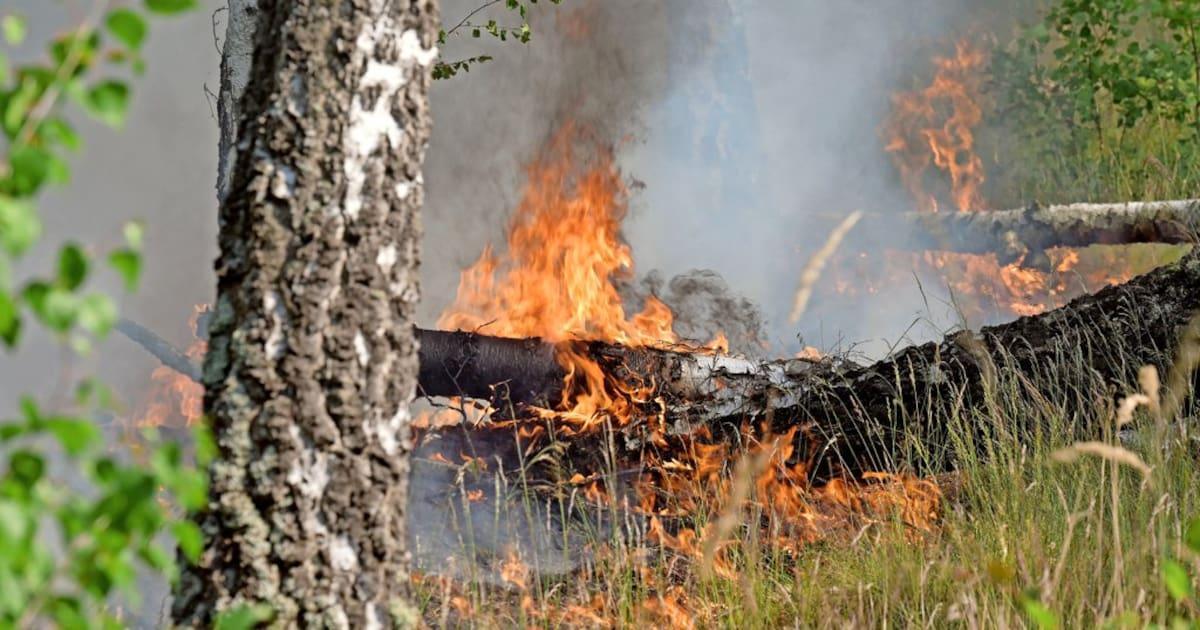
x: 1103, y: 97
x: 72, y: 539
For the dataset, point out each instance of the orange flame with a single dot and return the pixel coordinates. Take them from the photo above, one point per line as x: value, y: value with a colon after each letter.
x: 935, y: 127
x: 174, y: 399
x: 922, y: 132
x: 556, y: 279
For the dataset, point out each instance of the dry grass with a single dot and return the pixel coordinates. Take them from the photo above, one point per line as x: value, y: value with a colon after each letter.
x: 1045, y: 531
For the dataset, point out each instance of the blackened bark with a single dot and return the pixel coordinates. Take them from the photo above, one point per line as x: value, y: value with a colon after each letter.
x: 502, y: 371
x: 874, y: 417
x: 861, y: 418
x: 312, y: 359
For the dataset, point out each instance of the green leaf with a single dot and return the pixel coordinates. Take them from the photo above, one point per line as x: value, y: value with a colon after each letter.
x: 14, y: 29
x: 128, y: 26
x: 244, y: 617
x: 1177, y: 581
x: 134, y: 231
x: 108, y: 101
x: 26, y: 467
x: 55, y: 307
x: 72, y: 266
x: 68, y: 612
x: 19, y: 225
x: 205, y: 444
x: 10, y: 320
x: 14, y: 521
x: 76, y: 52
x: 191, y: 541
x: 58, y: 131
x: 191, y: 488
x: 19, y: 104
x: 30, y: 167
x: 97, y: 314
x: 170, y: 7
x: 1191, y: 536
x: 128, y: 264
x: 75, y: 435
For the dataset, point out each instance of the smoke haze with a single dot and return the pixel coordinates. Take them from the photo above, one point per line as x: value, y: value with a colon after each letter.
x: 752, y: 124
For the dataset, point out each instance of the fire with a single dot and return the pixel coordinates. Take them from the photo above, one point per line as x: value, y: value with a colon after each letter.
x: 936, y: 125
x: 557, y: 278
x: 174, y: 399
x: 795, y: 513
x: 930, y: 136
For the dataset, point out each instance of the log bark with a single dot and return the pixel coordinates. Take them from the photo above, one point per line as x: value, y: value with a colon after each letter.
x: 1012, y: 234
x: 312, y: 358
x: 859, y: 417
x: 875, y: 417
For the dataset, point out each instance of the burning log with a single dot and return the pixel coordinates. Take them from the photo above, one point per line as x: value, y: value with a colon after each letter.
x: 860, y: 418
x: 856, y: 417
x: 1011, y: 234
x: 868, y: 416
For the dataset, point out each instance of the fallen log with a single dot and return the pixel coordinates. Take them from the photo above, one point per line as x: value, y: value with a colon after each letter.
x: 857, y: 418
x: 159, y: 348
x: 1012, y: 234
x: 875, y: 417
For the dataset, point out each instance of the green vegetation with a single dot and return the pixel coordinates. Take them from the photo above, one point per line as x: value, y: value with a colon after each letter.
x: 1102, y: 96
x: 76, y: 522
x: 1100, y: 100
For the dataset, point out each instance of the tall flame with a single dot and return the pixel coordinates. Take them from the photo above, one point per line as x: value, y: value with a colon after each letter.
x: 935, y: 125
x: 557, y: 278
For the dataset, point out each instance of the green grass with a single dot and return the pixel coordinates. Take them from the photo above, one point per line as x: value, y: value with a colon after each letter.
x: 1157, y: 159
x: 1024, y: 540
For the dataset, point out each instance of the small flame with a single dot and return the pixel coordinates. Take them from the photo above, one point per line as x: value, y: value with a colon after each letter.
x: 174, y: 399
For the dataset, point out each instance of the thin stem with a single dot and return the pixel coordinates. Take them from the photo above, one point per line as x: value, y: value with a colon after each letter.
x: 470, y: 15
x: 49, y: 98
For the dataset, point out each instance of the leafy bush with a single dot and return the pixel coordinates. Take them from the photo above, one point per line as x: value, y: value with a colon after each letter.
x: 1104, y: 96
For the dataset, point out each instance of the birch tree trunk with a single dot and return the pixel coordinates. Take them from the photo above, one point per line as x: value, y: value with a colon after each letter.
x: 312, y: 359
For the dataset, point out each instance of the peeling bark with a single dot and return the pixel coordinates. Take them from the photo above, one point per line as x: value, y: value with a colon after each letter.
x: 312, y: 359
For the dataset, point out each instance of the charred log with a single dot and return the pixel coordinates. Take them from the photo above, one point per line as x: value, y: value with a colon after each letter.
x: 1012, y: 234
x: 500, y: 370
x: 875, y: 417
x: 856, y: 417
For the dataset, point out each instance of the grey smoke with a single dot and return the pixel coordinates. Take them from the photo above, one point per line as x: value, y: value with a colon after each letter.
x: 753, y: 125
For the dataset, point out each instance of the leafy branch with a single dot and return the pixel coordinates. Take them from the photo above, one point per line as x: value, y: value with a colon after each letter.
x: 521, y: 33
x: 110, y: 521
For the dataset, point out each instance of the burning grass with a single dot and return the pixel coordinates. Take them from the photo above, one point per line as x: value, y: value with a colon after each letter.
x: 1018, y: 536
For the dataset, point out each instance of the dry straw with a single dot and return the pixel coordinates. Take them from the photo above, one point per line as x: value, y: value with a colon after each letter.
x: 812, y: 271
